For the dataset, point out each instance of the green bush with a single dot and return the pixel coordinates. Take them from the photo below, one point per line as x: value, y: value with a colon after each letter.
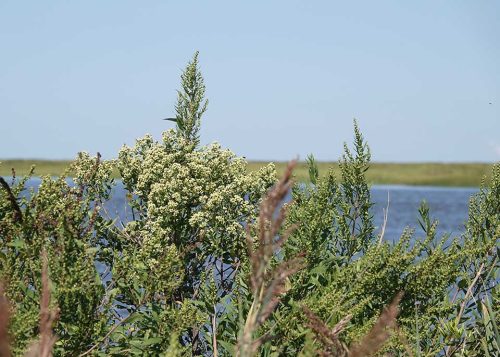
x: 199, y: 270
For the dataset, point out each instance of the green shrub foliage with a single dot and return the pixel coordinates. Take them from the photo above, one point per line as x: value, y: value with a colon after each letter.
x: 174, y: 279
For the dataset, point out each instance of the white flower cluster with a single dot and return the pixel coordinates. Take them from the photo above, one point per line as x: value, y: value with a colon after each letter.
x: 188, y: 195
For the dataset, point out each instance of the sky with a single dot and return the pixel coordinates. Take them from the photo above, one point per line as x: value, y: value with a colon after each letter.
x: 284, y: 78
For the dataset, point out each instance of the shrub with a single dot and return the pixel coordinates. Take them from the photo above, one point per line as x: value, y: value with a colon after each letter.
x: 206, y: 266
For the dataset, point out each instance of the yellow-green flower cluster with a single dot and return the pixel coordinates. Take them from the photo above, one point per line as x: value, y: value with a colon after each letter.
x: 94, y: 174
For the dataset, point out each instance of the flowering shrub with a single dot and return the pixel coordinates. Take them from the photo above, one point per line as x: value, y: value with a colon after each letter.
x: 207, y: 266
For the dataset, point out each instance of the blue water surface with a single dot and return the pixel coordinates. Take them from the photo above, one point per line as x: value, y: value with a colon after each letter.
x: 449, y: 205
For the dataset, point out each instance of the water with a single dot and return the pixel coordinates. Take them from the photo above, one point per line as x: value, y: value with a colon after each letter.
x: 449, y: 205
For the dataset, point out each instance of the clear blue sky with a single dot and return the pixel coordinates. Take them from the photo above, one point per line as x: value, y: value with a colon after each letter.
x: 284, y: 78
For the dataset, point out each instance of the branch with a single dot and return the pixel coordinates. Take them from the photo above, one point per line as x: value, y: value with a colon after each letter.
x: 18, y: 215
x: 106, y: 336
x: 386, y: 211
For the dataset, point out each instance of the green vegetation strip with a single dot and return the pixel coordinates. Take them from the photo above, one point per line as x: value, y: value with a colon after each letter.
x: 435, y: 174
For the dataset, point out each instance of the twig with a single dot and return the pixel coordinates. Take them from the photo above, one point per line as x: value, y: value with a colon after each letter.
x: 449, y: 350
x: 214, y: 332
x: 385, y: 211
x: 469, y: 291
x: 18, y: 215
x: 105, y: 337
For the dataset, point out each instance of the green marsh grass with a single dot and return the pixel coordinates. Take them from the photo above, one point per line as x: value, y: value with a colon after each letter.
x: 426, y: 174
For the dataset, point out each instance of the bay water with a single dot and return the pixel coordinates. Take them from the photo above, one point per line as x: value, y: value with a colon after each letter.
x: 449, y: 205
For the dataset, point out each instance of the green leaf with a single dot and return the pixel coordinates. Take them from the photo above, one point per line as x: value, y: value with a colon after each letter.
x: 152, y: 341
x: 17, y: 243
x: 229, y: 347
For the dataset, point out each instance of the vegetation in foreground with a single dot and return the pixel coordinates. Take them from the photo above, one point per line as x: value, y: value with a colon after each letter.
x: 187, y: 276
x: 424, y: 174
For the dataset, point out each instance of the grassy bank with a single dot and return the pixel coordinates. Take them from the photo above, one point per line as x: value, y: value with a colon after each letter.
x: 437, y: 174
x: 427, y: 174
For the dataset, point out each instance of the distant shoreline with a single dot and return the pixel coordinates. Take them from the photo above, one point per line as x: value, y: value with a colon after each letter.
x: 421, y: 174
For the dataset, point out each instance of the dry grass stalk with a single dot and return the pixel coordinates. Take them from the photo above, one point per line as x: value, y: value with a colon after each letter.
x: 369, y: 344
x: 450, y: 350
x: 379, y: 333
x: 329, y: 338
x: 43, y: 348
x: 267, y: 286
x: 384, y: 224
x: 4, y: 324
x: 469, y: 293
x: 214, y: 333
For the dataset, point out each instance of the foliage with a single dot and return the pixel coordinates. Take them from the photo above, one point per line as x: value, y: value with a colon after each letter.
x: 448, y: 283
x: 190, y: 102
x: 204, y: 264
x: 63, y: 220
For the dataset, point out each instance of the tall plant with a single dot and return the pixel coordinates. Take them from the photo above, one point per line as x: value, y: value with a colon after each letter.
x: 127, y: 287
x: 189, y: 203
x: 449, y: 283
